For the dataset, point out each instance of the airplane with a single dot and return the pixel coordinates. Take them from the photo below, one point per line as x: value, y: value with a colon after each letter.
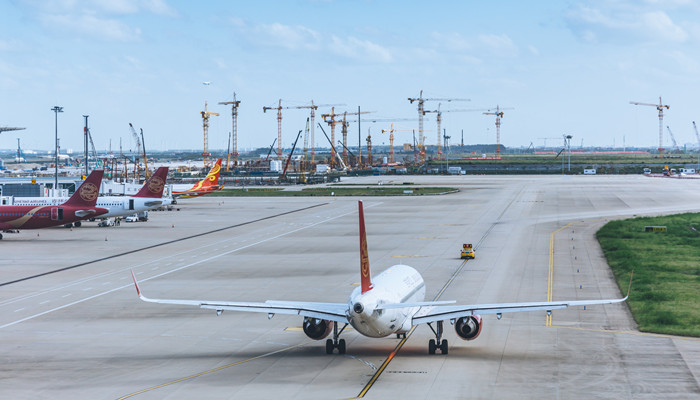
x: 150, y: 196
x: 209, y: 184
x: 390, y: 303
x: 78, y: 207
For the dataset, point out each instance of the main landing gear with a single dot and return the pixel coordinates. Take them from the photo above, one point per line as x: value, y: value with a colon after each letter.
x: 437, y: 343
x: 334, y: 343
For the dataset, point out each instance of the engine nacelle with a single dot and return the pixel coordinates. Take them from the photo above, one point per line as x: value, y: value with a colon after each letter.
x: 317, y: 329
x: 468, y: 328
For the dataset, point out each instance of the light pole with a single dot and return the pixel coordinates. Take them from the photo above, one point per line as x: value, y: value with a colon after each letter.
x: 567, y: 139
x: 447, y: 149
x: 56, y: 110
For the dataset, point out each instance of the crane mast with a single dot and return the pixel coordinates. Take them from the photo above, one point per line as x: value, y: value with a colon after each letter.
x: 421, y: 112
x: 279, y: 127
x: 205, y: 124
x: 234, y: 130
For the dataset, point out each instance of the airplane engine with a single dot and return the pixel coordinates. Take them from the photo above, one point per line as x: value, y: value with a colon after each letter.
x: 468, y: 328
x: 317, y: 329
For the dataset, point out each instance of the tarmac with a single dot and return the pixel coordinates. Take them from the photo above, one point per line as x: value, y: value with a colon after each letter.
x: 71, y: 325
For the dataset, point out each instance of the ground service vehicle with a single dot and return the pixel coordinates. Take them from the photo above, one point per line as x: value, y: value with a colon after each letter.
x: 467, y: 251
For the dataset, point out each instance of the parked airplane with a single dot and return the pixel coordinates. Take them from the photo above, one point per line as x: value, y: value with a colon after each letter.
x: 150, y: 196
x: 78, y: 207
x: 390, y: 303
x: 209, y: 184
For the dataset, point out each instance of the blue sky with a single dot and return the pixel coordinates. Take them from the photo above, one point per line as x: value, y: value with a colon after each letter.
x: 565, y: 67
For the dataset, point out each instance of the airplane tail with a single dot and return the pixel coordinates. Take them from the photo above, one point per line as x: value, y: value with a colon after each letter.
x: 365, y: 277
x: 154, y: 186
x: 212, y: 178
x: 86, y: 194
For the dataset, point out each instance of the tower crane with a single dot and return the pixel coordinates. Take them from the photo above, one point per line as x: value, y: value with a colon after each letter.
x: 421, y: 112
x: 330, y: 120
x: 234, y: 130
x: 697, y: 135
x: 279, y: 127
x: 438, y: 113
x: 499, y: 114
x: 659, y: 107
x: 673, y: 140
x: 391, y: 131
x: 313, y: 107
x: 205, y: 124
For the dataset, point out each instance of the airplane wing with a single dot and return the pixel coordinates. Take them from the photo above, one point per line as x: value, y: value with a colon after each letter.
x: 329, y: 311
x: 441, y: 313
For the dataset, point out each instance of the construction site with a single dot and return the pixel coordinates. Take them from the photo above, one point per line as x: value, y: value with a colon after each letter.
x: 348, y: 149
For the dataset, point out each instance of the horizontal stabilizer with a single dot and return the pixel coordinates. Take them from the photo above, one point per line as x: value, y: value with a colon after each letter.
x: 416, y: 304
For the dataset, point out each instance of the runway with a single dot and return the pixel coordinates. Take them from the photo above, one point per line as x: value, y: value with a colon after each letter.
x: 81, y: 332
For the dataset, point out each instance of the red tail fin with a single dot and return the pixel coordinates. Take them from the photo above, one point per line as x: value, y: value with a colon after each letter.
x: 153, y: 188
x: 86, y: 194
x: 365, y: 278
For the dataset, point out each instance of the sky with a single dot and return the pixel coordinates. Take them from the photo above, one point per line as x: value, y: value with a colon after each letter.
x: 558, y: 67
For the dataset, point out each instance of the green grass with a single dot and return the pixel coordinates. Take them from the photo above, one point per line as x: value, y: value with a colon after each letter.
x: 334, y: 191
x: 665, y: 295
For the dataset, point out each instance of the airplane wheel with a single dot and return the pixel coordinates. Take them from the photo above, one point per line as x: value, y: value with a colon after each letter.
x: 0, y: 236
x: 431, y: 346
x: 443, y: 347
x: 341, y: 346
x: 68, y: 225
x: 77, y: 224
x: 329, y: 346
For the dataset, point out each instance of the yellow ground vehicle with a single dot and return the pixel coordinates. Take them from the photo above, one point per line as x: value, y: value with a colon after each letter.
x: 467, y: 251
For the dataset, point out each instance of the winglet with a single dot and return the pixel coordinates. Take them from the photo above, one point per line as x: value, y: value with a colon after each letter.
x: 365, y: 278
x: 136, y: 284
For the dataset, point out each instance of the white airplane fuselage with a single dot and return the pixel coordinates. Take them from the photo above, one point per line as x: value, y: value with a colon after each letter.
x: 118, y: 206
x: 397, y: 284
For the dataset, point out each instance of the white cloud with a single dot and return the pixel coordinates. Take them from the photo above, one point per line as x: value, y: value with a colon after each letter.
x: 298, y: 37
x: 619, y: 22
x: 356, y: 48
x: 499, y: 44
x: 93, y: 26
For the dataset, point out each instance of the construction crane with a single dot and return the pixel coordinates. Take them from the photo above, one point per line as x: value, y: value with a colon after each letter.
x: 286, y: 165
x: 270, y: 151
x: 673, y: 139
x: 697, y: 136
x: 438, y: 113
x: 340, y: 160
x: 143, y: 148
x: 499, y: 114
x: 391, y: 131
x: 9, y: 128
x: 234, y: 131
x: 137, y: 166
x: 205, y: 124
x: 369, y: 148
x: 659, y: 107
x: 313, y: 107
x: 303, y: 163
x: 421, y: 112
x: 330, y: 120
x: 279, y: 127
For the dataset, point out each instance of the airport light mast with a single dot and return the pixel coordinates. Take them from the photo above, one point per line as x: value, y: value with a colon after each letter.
x: 56, y: 110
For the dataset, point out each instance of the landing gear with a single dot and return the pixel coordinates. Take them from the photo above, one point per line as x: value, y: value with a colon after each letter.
x: 68, y: 225
x: 0, y: 236
x: 437, y: 343
x: 77, y: 224
x: 335, y: 343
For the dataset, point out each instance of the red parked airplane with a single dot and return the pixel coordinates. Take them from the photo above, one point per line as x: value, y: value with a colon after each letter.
x: 80, y: 206
x: 209, y: 184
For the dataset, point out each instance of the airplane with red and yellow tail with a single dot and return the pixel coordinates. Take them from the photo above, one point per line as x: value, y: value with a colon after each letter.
x: 80, y: 206
x: 209, y: 184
